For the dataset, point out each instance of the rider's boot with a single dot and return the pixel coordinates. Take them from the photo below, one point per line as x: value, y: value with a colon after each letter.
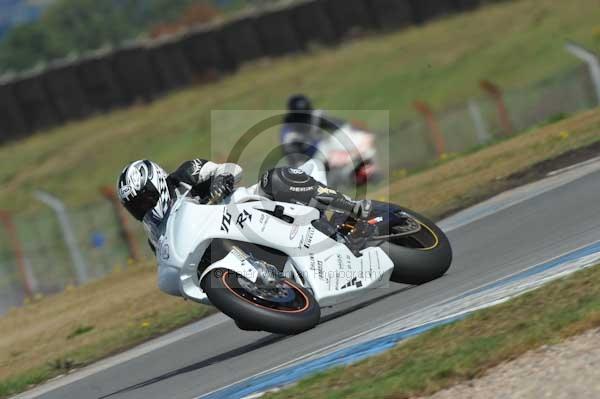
x: 358, y: 210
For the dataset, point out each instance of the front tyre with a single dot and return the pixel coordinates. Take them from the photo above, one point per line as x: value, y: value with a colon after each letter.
x: 286, y: 308
x: 420, y: 257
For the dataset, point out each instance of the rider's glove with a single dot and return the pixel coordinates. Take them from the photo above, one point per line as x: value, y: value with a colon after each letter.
x: 357, y: 209
x: 221, y: 186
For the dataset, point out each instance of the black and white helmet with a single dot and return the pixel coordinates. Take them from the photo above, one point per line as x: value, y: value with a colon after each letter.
x: 299, y: 103
x: 142, y: 187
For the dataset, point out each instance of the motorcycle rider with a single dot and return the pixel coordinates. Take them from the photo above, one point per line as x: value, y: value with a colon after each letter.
x: 303, y: 128
x: 148, y: 192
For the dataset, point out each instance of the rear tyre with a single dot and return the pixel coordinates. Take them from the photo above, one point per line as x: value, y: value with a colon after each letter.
x: 286, y: 309
x: 245, y: 327
x: 421, y: 257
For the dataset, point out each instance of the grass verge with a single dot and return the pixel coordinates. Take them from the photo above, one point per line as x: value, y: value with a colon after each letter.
x: 54, y: 335
x: 466, y: 349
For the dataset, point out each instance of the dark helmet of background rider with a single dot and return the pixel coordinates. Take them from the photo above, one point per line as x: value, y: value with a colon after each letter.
x: 299, y: 109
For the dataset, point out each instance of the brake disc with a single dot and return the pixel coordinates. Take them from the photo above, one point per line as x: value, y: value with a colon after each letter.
x: 277, y: 292
x: 409, y: 227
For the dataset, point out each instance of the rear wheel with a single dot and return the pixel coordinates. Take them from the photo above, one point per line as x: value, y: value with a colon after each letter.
x: 283, y: 308
x: 419, y: 249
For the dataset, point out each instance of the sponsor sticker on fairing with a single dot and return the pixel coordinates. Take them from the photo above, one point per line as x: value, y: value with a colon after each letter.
x: 225, y: 221
x: 242, y: 218
x: 263, y: 221
x: 294, y: 231
x: 164, y: 251
x: 310, y: 233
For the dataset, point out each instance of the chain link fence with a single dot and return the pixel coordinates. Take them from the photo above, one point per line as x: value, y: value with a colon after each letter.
x: 45, y: 264
x: 35, y: 259
x: 477, y: 122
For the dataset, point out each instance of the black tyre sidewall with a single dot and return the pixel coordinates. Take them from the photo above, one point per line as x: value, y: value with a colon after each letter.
x: 414, y: 266
x: 249, y: 314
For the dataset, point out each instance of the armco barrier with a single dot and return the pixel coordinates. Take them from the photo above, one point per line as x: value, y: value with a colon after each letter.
x: 240, y: 40
x: 349, y: 15
x: 12, y: 121
x: 277, y: 32
x: 38, y: 107
x: 392, y: 14
x: 99, y: 83
x: 170, y: 63
x: 465, y: 5
x: 312, y: 23
x: 424, y: 10
x: 205, y: 53
x: 63, y: 85
x: 107, y: 79
x: 135, y: 73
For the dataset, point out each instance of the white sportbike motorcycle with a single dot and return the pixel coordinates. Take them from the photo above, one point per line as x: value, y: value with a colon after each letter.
x: 273, y: 265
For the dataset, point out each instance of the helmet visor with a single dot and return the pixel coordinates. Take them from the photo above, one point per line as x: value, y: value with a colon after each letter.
x: 142, y: 203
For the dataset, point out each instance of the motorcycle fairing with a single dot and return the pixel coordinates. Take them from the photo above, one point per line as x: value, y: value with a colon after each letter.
x: 327, y: 267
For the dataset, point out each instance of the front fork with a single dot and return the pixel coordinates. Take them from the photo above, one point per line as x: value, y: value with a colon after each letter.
x: 267, y: 274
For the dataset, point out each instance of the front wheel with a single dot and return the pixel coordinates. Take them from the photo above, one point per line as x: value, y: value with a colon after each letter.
x: 284, y: 308
x: 420, y: 256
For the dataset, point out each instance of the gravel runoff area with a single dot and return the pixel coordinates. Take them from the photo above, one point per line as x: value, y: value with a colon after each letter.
x: 567, y: 370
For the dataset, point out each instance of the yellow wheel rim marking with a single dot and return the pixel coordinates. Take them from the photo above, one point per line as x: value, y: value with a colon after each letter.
x: 437, y: 240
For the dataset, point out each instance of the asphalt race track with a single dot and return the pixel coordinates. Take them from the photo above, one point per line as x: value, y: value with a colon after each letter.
x: 544, y: 220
